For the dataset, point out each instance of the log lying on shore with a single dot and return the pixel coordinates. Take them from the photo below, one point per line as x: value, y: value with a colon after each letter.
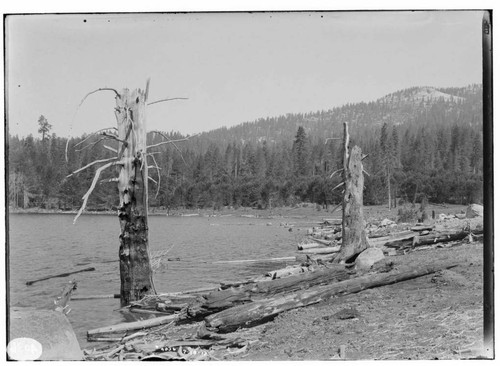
x: 123, y: 327
x: 263, y: 310
x: 396, y: 239
x: 219, y: 300
x: 442, y: 237
x: 29, y: 283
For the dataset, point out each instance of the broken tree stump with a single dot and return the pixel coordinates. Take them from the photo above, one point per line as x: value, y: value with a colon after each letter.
x: 136, y: 275
x: 263, y: 310
x: 354, y: 236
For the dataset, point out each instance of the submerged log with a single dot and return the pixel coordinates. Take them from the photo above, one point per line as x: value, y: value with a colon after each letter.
x: 259, y: 311
x: 29, y: 283
x: 323, y: 250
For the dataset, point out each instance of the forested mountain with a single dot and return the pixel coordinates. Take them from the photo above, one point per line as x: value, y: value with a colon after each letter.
x: 421, y: 141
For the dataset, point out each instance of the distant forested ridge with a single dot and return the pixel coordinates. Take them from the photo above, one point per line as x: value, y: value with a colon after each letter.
x: 422, y: 142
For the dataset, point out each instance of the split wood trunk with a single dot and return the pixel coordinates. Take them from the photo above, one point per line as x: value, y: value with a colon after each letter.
x: 259, y: 311
x: 442, y: 237
x: 354, y: 237
x: 135, y: 268
x: 220, y: 300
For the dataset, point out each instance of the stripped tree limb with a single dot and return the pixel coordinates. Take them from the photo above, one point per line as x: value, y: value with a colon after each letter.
x: 110, y: 180
x: 79, y: 105
x: 159, y: 175
x: 338, y: 185
x: 152, y: 179
x: 165, y: 100
x: 91, y: 189
x: 113, y: 137
x: 110, y: 148
x: 89, y: 165
x: 336, y: 171
x: 96, y: 133
x: 172, y: 142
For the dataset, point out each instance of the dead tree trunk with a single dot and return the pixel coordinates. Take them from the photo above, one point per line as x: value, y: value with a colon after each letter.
x: 354, y: 238
x: 135, y: 268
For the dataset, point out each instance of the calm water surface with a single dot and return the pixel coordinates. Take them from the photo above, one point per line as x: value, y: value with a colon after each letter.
x: 44, y: 245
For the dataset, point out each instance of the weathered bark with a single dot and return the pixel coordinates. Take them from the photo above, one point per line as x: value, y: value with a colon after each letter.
x: 135, y: 268
x: 219, y: 300
x: 263, y: 310
x: 354, y: 237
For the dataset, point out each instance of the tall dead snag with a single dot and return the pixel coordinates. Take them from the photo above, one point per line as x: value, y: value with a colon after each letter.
x: 130, y: 111
x: 354, y: 237
x: 135, y: 268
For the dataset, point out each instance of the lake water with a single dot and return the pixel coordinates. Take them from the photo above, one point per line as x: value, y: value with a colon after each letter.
x: 41, y: 245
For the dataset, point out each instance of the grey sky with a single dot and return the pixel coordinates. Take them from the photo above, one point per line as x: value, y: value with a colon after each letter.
x: 233, y: 67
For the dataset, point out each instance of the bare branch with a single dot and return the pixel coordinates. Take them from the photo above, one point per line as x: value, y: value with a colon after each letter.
x: 159, y: 176
x: 338, y: 185
x: 336, y: 207
x: 90, y: 164
x: 153, y: 181
x: 79, y: 105
x: 363, y: 158
x: 91, y: 189
x: 98, y: 90
x: 335, y: 172
x: 110, y: 148
x: 92, y: 144
x: 114, y: 137
x: 166, y: 100
x: 146, y: 93
x: 98, y: 132
x: 364, y: 171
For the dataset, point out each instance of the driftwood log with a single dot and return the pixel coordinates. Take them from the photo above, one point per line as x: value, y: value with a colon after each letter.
x: 220, y: 300
x: 124, y: 327
x: 259, y: 311
x: 442, y: 237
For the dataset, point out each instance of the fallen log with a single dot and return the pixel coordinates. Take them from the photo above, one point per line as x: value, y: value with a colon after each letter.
x: 96, y: 297
x: 321, y: 241
x: 142, y: 324
x: 219, y: 300
x: 422, y: 228
x: 246, y: 261
x: 442, y: 237
x: 323, y: 250
x: 259, y: 311
x: 29, y: 283
x: 287, y: 271
x: 396, y: 239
